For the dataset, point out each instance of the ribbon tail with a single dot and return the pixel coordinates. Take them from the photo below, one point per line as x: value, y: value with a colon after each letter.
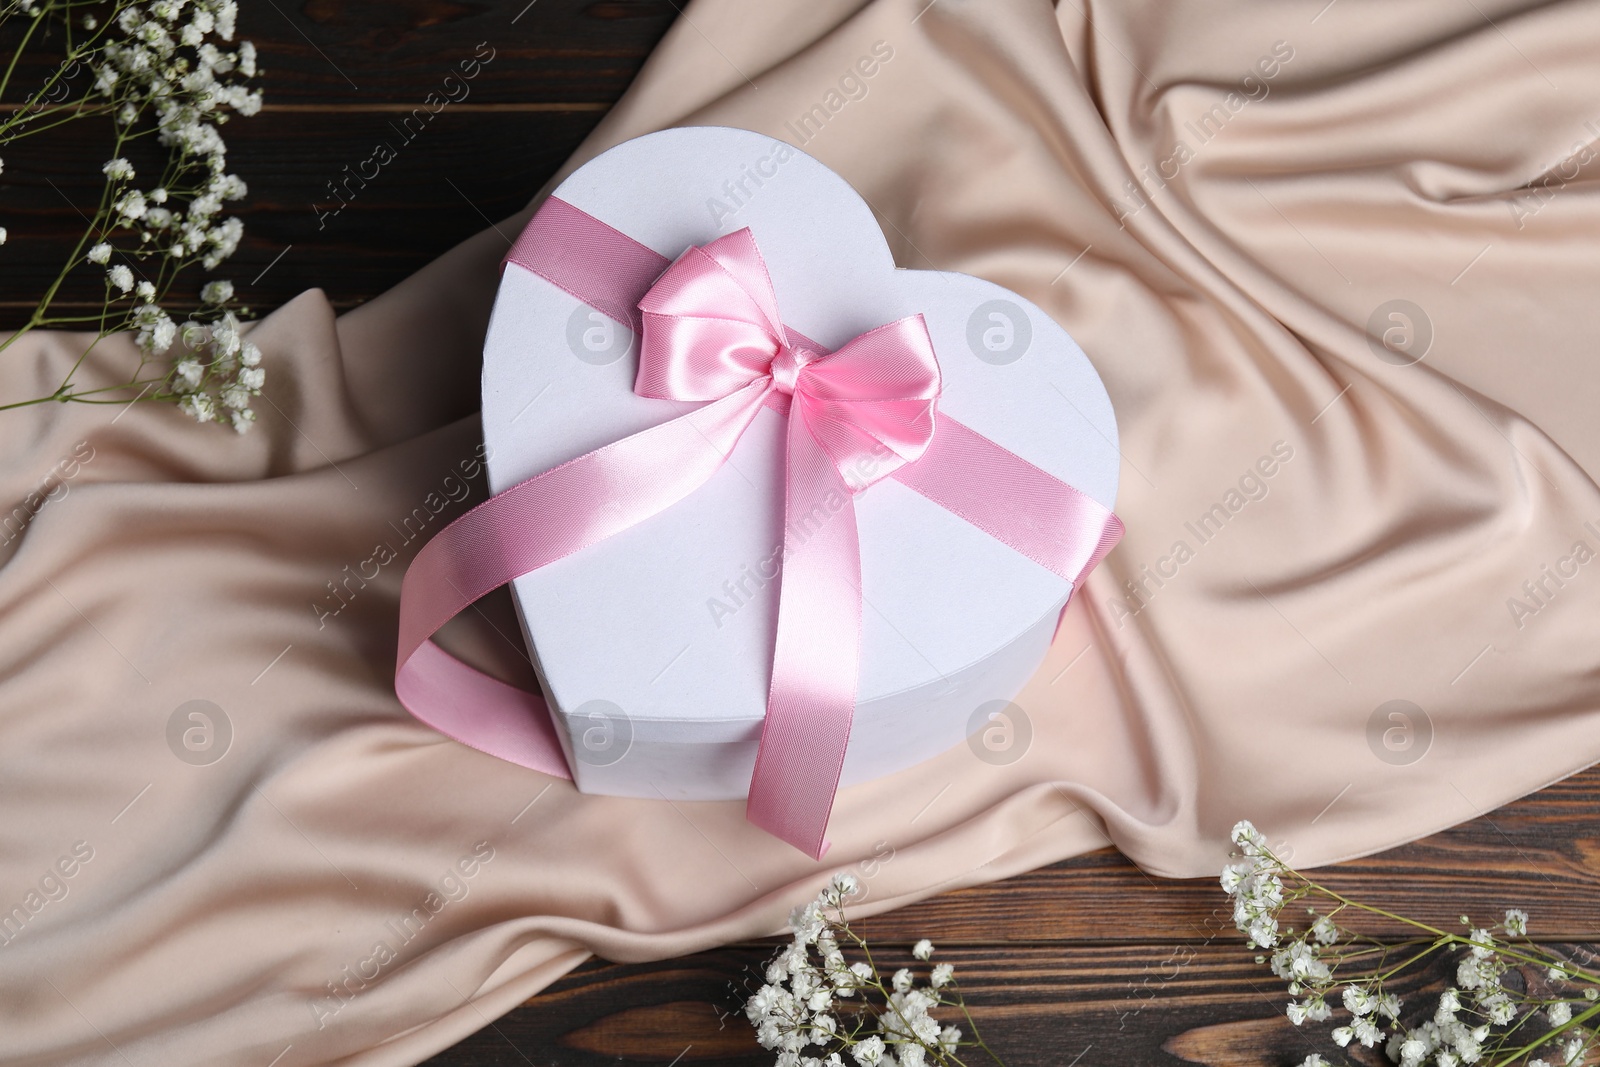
x: 536, y: 522
x: 1052, y: 523
x: 481, y: 712
x: 816, y: 661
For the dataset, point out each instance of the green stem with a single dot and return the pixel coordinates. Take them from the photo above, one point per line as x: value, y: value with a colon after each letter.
x: 1576, y: 1022
x: 1445, y: 937
x: 961, y: 1002
x: 5, y: 82
x: 78, y: 111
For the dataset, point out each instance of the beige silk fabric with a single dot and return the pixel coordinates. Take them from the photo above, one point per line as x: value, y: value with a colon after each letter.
x: 345, y: 886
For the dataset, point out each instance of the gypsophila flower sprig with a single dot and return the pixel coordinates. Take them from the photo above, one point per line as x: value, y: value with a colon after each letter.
x: 818, y: 1008
x: 166, y: 72
x: 1511, y: 1002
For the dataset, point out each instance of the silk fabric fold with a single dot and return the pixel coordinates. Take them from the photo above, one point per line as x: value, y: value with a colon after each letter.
x: 1318, y: 526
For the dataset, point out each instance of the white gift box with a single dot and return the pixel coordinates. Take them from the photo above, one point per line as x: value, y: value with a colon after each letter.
x: 654, y: 647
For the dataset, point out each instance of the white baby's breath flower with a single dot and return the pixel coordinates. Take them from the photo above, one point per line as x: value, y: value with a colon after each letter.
x: 199, y: 407
x: 1357, y: 1000
x: 117, y: 169
x: 943, y: 974
x: 922, y: 949
x: 1233, y: 875
x: 1560, y: 1013
x: 217, y: 292
x: 1366, y: 1031
x: 189, y: 373
x: 1516, y: 924
x: 3, y: 235
x: 120, y: 277
x: 869, y: 1053
x: 131, y: 206
x: 100, y: 253
x: 1248, y: 838
x: 162, y: 335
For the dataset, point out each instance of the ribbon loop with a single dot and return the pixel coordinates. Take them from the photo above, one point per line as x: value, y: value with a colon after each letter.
x: 711, y: 326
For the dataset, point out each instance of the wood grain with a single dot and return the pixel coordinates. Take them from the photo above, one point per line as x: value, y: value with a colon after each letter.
x: 1093, y: 957
x: 1541, y: 853
x: 341, y: 79
x: 1087, y: 962
x: 329, y: 53
x: 1091, y: 1003
x: 353, y: 236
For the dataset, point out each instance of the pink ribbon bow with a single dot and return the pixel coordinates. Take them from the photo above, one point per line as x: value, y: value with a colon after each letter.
x: 711, y: 328
x: 710, y: 331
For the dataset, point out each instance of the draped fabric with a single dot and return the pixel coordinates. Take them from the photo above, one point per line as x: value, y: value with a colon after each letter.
x: 1335, y: 263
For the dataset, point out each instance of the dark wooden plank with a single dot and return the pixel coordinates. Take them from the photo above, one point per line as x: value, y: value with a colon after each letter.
x: 1541, y: 853
x: 557, y: 66
x: 324, y: 52
x: 1090, y: 954
x: 445, y: 183
x: 1092, y: 1004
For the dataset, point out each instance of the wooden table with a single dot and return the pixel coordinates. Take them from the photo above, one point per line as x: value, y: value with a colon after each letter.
x: 1090, y: 962
x: 1087, y: 962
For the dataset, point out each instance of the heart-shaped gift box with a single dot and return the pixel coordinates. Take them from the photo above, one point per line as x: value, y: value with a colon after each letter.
x: 655, y: 645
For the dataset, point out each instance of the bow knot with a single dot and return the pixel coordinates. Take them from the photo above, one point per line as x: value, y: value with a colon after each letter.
x: 711, y: 328
x: 786, y: 369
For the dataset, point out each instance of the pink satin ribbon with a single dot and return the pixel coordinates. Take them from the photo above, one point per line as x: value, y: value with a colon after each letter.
x: 710, y: 332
